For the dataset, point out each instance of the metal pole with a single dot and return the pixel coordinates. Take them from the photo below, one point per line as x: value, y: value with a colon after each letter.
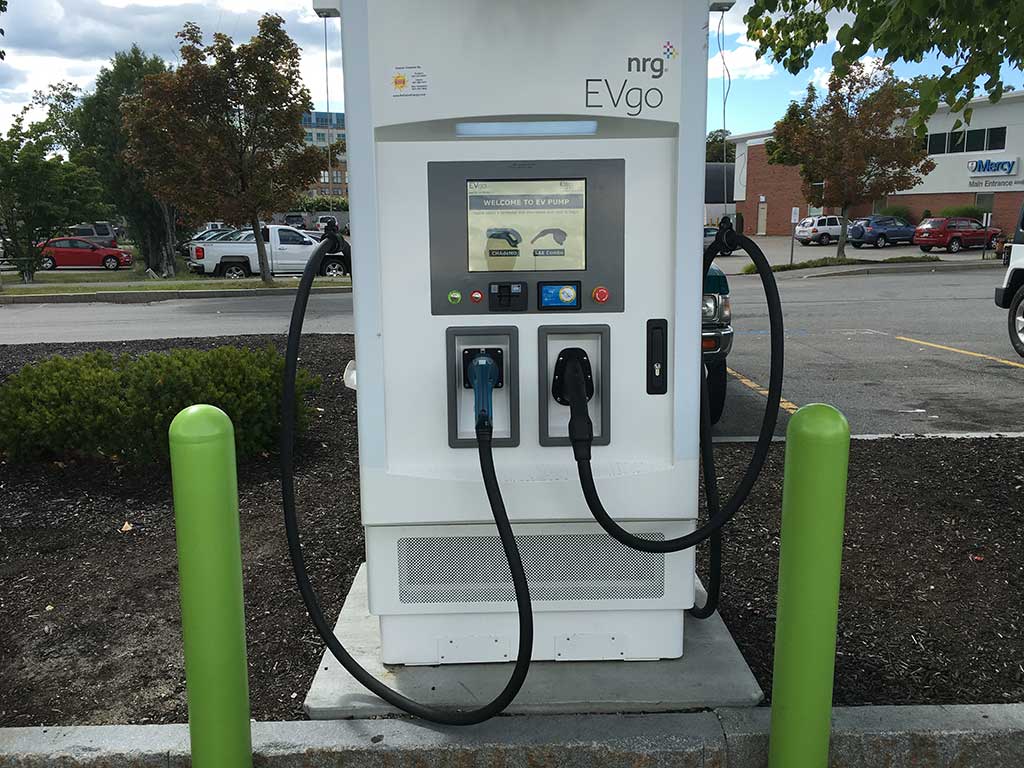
x: 813, y: 507
x: 792, y: 237
x: 327, y: 84
x: 210, y: 576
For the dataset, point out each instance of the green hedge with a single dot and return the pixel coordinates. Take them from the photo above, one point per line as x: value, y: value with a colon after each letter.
x: 970, y: 211
x: 97, y: 405
x: 899, y: 211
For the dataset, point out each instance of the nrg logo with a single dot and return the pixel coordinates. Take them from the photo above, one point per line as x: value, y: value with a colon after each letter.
x: 635, y: 98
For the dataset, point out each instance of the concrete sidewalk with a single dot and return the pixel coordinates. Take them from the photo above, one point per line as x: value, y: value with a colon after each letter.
x: 978, y: 736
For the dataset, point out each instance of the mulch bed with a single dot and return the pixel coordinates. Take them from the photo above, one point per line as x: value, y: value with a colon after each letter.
x: 932, y: 604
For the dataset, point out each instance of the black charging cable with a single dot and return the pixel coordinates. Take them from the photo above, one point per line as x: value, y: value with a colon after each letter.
x: 581, y: 434
x: 441, y: 715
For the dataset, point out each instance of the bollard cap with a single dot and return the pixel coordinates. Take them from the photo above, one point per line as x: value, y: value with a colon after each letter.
x: 818, y: 421
x: 201, y: 424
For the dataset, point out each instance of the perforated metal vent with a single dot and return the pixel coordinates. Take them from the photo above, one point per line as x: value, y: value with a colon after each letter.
x: 473, y: 569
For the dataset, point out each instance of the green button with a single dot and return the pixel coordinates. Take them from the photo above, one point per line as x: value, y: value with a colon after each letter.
x: 454, y: 297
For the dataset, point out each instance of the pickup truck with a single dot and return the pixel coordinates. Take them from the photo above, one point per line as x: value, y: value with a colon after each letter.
x: 1010, y: 295
x: 288, y: 250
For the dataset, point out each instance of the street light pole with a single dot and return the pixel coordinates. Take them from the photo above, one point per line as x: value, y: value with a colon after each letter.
x: 327, y: 84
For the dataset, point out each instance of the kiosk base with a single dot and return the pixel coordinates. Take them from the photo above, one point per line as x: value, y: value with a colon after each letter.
x: 711, y: 673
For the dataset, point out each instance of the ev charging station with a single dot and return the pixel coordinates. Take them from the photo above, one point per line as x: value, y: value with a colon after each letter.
x: 527, y: 186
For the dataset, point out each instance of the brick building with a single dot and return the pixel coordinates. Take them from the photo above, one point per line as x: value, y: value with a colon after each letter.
x: 979, y: 164
x: 322, y: 129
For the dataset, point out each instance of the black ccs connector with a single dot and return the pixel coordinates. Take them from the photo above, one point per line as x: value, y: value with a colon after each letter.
x: 573, y: 386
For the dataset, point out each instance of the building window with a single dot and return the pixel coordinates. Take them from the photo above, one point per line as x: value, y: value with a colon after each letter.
x: 985, y: 200
x: 325, y: 177
x: 309, y: 136
x: 976, y: 140
x: 997, y: 138
x: 321, y: 137
x: 337, y: 177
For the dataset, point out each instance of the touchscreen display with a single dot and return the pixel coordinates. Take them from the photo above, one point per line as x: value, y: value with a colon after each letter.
x: 527, y: 225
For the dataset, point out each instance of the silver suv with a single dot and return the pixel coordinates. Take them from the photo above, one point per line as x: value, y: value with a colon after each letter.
x: 819, y: 229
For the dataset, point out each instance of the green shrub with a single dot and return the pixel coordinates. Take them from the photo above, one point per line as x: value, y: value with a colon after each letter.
x: 970, y: 211
x: 899, y: 211
x: 96, y: 405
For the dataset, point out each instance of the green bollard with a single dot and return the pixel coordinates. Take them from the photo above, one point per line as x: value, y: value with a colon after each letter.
x: 210, y: 574
x: 813, y: 507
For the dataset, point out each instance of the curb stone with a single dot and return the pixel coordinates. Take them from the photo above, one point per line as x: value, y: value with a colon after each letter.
x: 145, y: 297
x: 927, y: 266
x: 957, y: 736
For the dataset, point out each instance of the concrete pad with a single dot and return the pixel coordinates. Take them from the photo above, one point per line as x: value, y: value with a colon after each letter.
x: 711, y: 673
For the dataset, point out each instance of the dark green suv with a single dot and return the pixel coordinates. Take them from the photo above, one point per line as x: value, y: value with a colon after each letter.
x: 716, y: 337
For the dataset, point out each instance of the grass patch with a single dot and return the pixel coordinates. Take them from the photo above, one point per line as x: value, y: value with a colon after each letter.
x: 832, y: 261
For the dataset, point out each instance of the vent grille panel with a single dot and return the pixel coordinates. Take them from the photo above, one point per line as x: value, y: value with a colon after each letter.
x: 473, y: 569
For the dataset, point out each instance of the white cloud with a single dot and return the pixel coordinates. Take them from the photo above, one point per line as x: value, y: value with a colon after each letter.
x: 819, y: 78
x: 52, y: 40
x: 742, y: 63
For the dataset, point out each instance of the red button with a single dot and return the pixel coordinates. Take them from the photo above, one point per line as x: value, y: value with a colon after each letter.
x: 601, y: 294
x: 476, y: 297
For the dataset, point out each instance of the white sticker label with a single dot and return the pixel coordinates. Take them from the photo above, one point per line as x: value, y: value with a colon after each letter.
x: 409, y: 81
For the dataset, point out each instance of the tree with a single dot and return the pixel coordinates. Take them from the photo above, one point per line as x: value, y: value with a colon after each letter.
x: 221, y: 136
x: 323, y: 203
x: 715, y: 144
x: 978, y: 37
x: 102, y: 133
x: 41, y: 192
x: 854, y: 144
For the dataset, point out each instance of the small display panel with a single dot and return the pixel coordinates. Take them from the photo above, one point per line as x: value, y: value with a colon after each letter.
x: 527, y: 225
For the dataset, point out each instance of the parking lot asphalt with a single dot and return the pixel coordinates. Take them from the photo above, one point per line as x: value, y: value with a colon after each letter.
x: 251, y: 315
x: 903, y: 353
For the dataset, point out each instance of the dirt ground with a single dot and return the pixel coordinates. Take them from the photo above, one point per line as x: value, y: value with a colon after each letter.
x: 932, y: 602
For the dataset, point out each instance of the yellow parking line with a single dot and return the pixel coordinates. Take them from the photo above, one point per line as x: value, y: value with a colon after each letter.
x: 785, y: 404
x: 961, y: 351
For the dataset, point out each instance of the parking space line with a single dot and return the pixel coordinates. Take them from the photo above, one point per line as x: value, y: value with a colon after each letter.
x: 784, y: 404
x: 961, y: 351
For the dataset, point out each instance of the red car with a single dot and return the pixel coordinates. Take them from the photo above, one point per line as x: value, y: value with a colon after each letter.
x: 75, y: 252
x: 954, y: 233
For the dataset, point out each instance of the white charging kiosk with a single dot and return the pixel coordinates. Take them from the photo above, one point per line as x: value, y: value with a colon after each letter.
x: 526, y: 177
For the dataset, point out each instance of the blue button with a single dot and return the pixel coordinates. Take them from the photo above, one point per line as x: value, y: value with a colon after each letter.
x: 559, y: 295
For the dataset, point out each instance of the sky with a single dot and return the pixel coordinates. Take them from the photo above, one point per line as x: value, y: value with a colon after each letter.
x: 53, y: 40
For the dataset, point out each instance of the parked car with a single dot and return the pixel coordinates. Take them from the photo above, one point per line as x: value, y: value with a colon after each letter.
x: 710, y: 233
x: 321, y: 223
x: 818, y: 229
x: 296, y: 220
x: 78, y: 252
x: 716, y: 337
x: 203, y: 236
x: 954, y: 233
x: 1010, y: 295
x: 288, y: 250
x: 879, y: 231
x: 100, y: 232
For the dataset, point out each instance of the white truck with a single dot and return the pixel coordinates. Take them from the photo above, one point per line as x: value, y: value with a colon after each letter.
x: 288, y: 250
x: 1010, y: 295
